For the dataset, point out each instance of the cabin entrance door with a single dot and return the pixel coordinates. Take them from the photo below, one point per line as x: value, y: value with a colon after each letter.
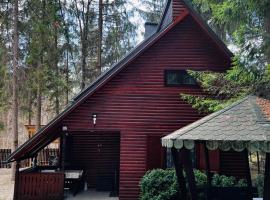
x: 98, y: 154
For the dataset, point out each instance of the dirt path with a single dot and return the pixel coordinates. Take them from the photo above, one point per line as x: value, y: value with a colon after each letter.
x: 6, y: 185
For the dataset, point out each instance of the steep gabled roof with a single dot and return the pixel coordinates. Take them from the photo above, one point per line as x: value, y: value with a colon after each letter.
x: 43, y: 136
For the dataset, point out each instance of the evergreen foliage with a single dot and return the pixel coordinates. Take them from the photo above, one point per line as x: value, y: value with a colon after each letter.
x: 55, y: 36
x: 245, y: 25
x: 222, y: 89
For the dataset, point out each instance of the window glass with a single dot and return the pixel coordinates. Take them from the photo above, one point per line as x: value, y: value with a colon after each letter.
x: 178, y: 78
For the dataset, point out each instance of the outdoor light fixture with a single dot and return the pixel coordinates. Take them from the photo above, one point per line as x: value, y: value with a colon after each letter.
x: 64, y: 128
x: 94, y: 117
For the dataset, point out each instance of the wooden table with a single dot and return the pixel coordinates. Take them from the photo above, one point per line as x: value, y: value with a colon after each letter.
x: 74, y: 180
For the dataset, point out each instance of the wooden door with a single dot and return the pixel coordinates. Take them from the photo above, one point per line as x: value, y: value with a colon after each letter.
x: 155, y: 153
x: 98, y: 154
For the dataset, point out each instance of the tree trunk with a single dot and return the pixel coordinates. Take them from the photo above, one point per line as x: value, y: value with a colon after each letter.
x: 15, y: 109
x: 29, y: 107
x: 40, y: 68
x: 83, y: 65
x: 57, y: 102
x: 100, y: 30
x: 39, y: 103
x: 67, y: 78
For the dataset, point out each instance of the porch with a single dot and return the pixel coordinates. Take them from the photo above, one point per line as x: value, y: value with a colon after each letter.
x: 87, y: 167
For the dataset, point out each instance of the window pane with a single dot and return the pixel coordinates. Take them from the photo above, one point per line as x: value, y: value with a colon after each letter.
x: 173, y: 78
x: 178, y: 78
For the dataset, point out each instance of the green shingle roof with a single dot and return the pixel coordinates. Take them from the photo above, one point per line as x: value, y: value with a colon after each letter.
x: 243, y: 121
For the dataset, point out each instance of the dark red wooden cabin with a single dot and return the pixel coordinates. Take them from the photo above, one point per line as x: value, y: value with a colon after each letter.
x: 134, y: 104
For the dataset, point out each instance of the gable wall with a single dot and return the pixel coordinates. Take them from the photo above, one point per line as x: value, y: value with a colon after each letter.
x: 178, y: 8
x: 137, y: 104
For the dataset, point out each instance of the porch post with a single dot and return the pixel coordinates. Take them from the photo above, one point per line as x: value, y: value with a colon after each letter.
x: 35, y: 161
x: 63, y: 151
x: 16, y: 184
x: 207, y: 166
x: 266, y: 193
x: 190, y: 173
x: 248, y: 175
x: 179, y: 173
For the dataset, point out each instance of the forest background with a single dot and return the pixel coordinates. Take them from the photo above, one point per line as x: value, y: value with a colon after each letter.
x: 50, y: 50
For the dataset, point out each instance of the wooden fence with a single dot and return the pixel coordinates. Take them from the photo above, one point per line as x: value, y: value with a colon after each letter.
x: 36, y: 186
x: 45, y: 157
x: 4, y: 153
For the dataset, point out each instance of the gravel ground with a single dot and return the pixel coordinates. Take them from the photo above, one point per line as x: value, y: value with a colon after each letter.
x: 6, y: 185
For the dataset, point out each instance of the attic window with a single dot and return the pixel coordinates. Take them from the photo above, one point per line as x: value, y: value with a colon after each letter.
x: 178, y: 78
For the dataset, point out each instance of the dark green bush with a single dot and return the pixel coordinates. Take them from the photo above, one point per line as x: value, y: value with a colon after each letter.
x: 227, y: 181
x: 260, y: 184
x: 159, y: 184
x: 200, y: 178
x: 162, y: 184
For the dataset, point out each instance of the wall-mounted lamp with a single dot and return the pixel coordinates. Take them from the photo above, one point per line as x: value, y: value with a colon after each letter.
x: 64, y: 128
x: 94, y: 117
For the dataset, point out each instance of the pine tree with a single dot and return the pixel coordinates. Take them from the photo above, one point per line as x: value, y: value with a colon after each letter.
x: 15, y: 107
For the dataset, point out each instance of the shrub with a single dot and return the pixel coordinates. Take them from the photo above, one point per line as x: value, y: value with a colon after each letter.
x: 200, y: 178
x: 260, y: 184
x: 227, y: 181
x: 159, y: 184
x: 223, y: 181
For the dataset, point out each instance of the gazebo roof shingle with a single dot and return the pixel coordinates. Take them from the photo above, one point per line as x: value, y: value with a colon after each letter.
x: 246, y: 120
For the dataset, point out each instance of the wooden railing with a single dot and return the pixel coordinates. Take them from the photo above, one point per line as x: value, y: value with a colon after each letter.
x: 39, y: 185
x: 44, y: 158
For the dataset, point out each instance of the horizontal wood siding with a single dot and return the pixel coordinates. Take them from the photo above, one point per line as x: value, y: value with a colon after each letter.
x: 178, y: 8
x: 137, y: 103
x: 37, y: 186
x: 233, y: 164
x: 98, y: 155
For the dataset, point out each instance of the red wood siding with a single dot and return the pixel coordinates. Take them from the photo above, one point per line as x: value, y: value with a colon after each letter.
x: 155, y: 153
x: 136, y: 102
x: 213, y: 159
x: 233, y: 164
x: 178, y: 8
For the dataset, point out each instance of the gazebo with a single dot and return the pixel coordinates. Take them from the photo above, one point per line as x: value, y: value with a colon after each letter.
x: 242, y: 127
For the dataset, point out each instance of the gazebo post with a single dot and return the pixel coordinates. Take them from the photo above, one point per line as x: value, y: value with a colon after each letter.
x: 248, y: 174
x: 207, y: 166
x: 266, y: 193
x: 179, y: 173
x: 190, y: 173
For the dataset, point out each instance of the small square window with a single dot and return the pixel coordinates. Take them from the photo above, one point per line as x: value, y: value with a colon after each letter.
x: 178, y: 78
